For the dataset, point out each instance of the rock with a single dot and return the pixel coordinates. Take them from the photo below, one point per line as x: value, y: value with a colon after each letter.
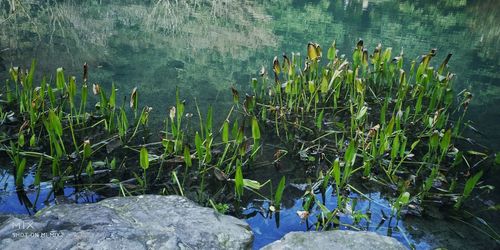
x: 338, y: 239
x: 141, y: 222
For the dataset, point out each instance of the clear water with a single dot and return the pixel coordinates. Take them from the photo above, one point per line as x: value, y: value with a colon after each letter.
x: 204, y: 47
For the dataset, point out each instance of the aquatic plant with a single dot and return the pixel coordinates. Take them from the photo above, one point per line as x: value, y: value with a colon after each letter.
x: 76, y: 141
x: 372, y: 117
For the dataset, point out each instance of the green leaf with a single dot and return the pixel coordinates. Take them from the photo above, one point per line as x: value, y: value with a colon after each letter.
x: 60, y: 79
x: 362, y: 113
x: 319, y: 120
x: 404, y: 198
x: 252, y: 184
x: 471, y: 183
x: 112, y: 97
x: 197, y: 143
x: 395, y: 147
x: 225, y: 131
x: 55, y: 123
x: 238, y: 180
x: 89, y: 169
x: 497, y: 158
x: 311, y: 86
x: 31, y: 74
x: 350, y: 154
x: 434, y: 140
x: 20, y: 173
x: 324, y: 85
x: 112, y: 164
x: 332, y: 52
x: 255, y: 129
x: 336, y: 171
x: 279, y: 192
x: 20, y: 140
x: 445, y: 141
x: 187, y: 156
x: 33, y: 140
x: 87, y: 149
x: 144, y: 161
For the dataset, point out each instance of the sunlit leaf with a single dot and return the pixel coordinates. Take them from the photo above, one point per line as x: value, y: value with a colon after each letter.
x: 144, y: 159
x: 238, y: 180
x: 255, y: 129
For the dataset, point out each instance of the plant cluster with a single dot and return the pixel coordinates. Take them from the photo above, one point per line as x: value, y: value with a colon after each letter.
x: 109, y: 145
x: 365, y: 118
x: 373, y: 119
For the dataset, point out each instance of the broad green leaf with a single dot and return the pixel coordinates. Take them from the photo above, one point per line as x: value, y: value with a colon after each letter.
x: 362, y: 113
x: 471, y: 183
x: 350, y: 154
x: 87, y: 150
x: 187, y: 156
x: 279, y: 192
x: 89, y: 169
x: 20, y: 173
x: 20, y: 140
x: 445, y: 141
x: 112, y: 97
x: 55, y: 123
x: 144, y: 161
x: 324, y: 85
x: 255, y: 185
x: 255, y: 129
x: 395, y: 147
x: 332, y: 52
x: 31, y: 74
x: 434, y: 139
x: 311, y: 86
x: 238, y: 180
x: 60, y: 79
x: 319, y: 120
x: 33, y: 140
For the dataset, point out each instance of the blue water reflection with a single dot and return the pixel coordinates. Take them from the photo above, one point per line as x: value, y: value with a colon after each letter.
x: 33, y: 199
x: 268, y: 227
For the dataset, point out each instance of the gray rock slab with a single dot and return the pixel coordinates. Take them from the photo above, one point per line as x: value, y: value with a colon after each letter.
x: 140, y: 222
x: 339, y: 239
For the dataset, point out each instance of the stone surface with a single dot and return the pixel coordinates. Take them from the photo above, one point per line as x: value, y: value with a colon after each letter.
x: 141, y: 222
x: 335, y: 240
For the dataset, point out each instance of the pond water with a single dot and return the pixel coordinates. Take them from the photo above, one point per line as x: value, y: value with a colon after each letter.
x: 204, y: 47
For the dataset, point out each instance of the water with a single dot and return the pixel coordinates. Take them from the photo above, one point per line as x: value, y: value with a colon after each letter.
x: 204, y: 47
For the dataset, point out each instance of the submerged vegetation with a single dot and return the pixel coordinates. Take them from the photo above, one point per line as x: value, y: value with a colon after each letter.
x: 370, y: 117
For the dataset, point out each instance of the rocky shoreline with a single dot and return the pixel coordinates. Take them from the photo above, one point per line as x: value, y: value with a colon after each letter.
x: 158, y: 222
